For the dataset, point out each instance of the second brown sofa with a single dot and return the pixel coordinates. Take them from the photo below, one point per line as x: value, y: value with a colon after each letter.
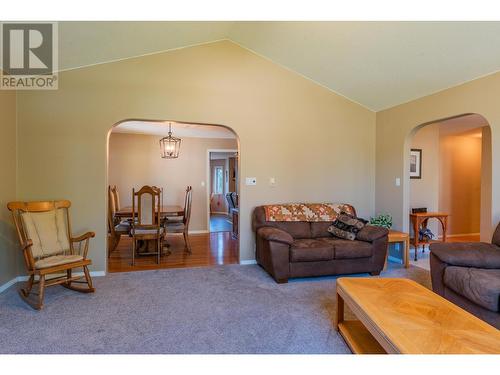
x: 302, y: 249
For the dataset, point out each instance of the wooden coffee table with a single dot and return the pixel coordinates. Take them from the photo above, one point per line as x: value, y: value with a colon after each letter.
x: 401, y: 316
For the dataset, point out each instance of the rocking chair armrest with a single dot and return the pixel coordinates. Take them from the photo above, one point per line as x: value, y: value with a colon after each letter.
x: 85, y: 236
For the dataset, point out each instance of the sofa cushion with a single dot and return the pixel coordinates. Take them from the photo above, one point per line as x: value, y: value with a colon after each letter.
x: 299, y: 229
x: 320, y: 229
x: 346, y: 249
x: 370, y: 233
x: 310, y: 250
x: 346, y: 226
x: 481, y: 286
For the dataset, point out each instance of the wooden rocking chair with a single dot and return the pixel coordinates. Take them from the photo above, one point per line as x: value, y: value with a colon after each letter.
x: 44, y: 233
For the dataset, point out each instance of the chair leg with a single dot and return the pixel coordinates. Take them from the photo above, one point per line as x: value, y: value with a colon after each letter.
x: 68, y: 276
x: 88, y: 279
x: 186, y: 241
x: 29, y: 285
x: 113, y: 244
x: 158, y: 250
x: 41, y: 291
x: 133, y: 251
x: 25, y: 293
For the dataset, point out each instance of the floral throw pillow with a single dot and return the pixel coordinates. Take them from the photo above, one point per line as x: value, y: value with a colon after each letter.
x: 346, y: 226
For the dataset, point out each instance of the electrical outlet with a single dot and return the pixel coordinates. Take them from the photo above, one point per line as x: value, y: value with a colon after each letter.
x: 250, y: 181
x: 272, y: 181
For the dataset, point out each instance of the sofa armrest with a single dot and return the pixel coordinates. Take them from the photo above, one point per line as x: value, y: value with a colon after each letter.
x: 370, y: 233
x: 468, y: 254
x: 275, y: 234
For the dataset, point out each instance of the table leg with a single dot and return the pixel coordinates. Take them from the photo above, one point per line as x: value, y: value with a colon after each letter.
x: 339, y: 318
x: 445, y: 227
x: 407, y: 252
x: 416, y: 226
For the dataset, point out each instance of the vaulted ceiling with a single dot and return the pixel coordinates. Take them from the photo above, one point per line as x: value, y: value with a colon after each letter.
x: 376, y: 64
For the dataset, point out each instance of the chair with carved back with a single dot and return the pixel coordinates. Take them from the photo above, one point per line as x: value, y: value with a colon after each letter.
x: 116, y: 228
x: 49, y: 248
x: 116, y: 196
x: 146, y: 220
x: 183, y: 226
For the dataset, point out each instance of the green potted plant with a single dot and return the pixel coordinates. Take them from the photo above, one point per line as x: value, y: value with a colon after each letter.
x: 382, y: 220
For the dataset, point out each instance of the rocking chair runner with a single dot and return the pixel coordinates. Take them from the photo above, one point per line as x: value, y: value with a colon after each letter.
x: 44, y: 233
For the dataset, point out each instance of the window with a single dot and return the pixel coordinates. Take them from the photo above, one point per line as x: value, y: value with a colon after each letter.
x: 218, y: 180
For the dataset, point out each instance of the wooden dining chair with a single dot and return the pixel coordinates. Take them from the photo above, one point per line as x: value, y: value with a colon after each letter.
x: 146, y: 220
x: 116, y: 228
x: 44, y: 232
x: 116, y: 196
x: 183, y: 226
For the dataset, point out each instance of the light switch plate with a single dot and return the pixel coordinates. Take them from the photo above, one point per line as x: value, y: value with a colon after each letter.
x: 250, y: 181
x: 398, y: 181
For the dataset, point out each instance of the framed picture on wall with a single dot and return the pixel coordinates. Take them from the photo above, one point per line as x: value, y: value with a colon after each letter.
x: 416, y: 163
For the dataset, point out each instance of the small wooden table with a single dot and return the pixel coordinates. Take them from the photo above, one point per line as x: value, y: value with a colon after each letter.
x: 126, y: 212
x: 401, y: 316
x: 395, y: 237
x: 420, y: 219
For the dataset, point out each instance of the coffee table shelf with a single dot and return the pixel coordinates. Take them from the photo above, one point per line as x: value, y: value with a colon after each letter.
x: 358, y: 338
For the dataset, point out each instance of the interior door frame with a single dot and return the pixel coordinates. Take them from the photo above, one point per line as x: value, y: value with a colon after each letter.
x: 209, y: 180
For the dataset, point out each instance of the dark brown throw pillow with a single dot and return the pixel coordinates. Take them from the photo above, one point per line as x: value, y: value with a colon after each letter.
x: 347, y: 226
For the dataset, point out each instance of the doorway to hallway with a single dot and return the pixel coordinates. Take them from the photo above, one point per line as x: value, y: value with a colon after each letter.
x: 223, y: 191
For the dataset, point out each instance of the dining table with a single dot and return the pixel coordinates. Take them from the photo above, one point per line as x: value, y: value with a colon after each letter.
x: 168, y: 210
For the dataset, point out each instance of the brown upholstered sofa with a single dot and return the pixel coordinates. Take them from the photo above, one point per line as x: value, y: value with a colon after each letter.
x: 468, y: 274
x: 302, y: 249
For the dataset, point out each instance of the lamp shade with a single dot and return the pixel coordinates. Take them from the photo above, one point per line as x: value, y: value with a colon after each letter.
x: 170, y: 146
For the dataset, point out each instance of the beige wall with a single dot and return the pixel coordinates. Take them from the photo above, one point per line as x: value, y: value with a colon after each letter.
x: 9, y: 248
x: 395, y: 127
x: 424, y: 192
x: 134, y: 161
x: 318, y: 145
x: 460, y: 182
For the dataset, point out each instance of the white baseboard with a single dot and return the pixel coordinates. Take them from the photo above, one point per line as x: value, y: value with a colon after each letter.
x: 18, y: 279
x: 219, y: 213
x: 8, y: 284
x: 249, y: 261
x: 197, y: 231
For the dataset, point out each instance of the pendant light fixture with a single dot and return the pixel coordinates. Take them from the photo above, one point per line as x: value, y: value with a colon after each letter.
x: 170, y: 146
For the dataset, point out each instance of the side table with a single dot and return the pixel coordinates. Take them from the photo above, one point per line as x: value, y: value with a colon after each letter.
x: 401, y: 237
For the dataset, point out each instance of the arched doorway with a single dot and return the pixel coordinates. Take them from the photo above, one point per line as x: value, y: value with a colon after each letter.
x: 134, y: 160
x: 448, y: 170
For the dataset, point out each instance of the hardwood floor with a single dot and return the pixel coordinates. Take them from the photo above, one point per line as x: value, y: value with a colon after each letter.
x: 220, y: 223
x: 207, y: 249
